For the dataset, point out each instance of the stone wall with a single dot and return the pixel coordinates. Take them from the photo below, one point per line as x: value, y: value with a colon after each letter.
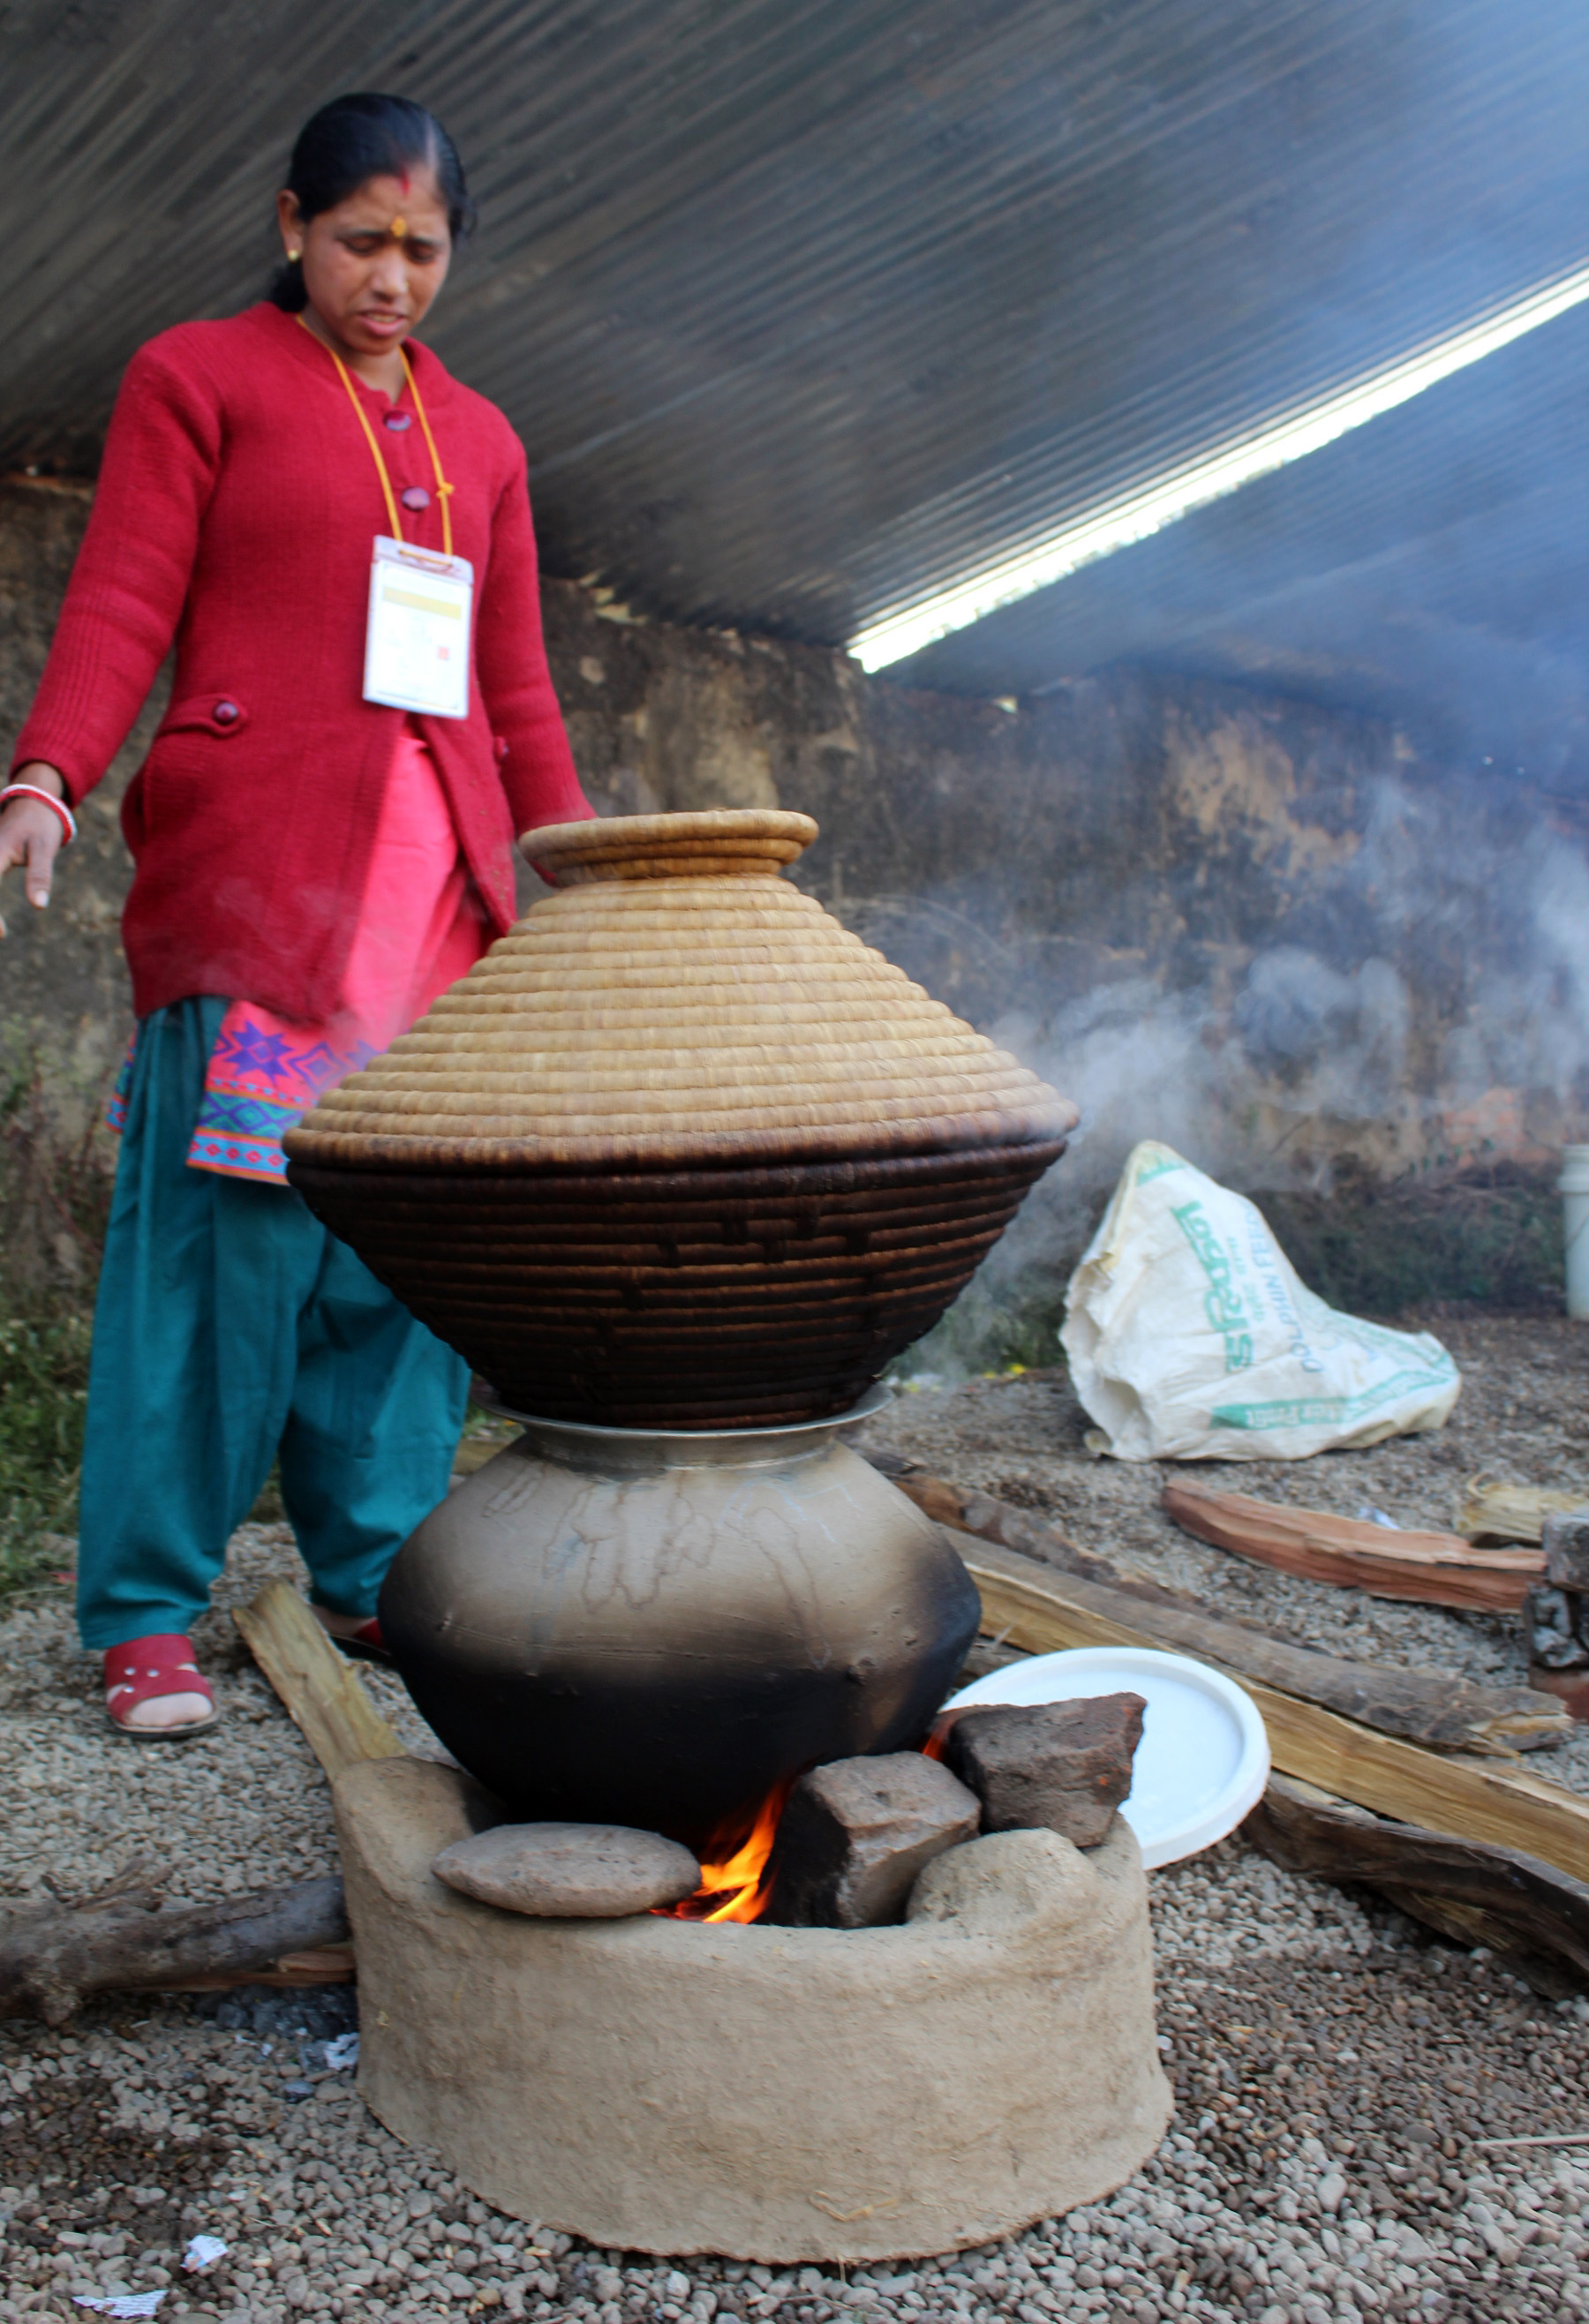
x: 1258, y: 930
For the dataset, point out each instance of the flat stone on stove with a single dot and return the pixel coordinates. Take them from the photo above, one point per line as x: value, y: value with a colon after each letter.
x: 855, y: 1833
x: 570, y: 1871
x: 1063, y: 1767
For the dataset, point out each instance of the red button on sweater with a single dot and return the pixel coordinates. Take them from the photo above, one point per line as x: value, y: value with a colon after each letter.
x: 236, y: 509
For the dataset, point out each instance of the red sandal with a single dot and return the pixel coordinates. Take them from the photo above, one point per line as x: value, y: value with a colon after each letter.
x: 145, y: 1669
x: 365, y: 1645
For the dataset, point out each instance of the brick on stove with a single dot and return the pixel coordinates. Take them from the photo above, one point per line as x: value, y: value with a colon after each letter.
x: 1566, y: 1550
x: 1064, y: 1767
x: 854, y: 1834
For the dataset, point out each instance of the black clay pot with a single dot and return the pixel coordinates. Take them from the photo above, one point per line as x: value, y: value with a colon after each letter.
x: 618, y: 1626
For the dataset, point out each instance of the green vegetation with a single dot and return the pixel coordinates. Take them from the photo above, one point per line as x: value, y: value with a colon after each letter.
x: 43, y: 1388
x: 54, y: 1199
x: 1490, y: 1239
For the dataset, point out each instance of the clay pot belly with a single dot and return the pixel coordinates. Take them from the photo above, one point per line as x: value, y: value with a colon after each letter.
x: 617, y: 1626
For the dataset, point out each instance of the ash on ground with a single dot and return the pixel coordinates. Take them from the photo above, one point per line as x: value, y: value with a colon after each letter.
x: 1340, y: 2077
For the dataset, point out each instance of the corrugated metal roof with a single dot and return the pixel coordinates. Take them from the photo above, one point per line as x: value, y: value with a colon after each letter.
x: 1432, y: 566
x: 802, y: 311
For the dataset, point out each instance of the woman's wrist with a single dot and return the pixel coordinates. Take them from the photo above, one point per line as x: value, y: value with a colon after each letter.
x: 34, y: 795
x: 39, y: 775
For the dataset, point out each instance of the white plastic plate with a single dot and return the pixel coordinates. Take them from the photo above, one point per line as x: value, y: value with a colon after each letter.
x: 1203, y: 1761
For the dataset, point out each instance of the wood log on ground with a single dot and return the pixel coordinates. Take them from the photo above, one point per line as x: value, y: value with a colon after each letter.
x: 320, y: 1691
x: 314, y: 1965
x: 1490, y: 1512
x: 325, y: 1697
x: 1439, y: 1709
x: 1428, y: 1568
x: 1476, y: 1798
x: 1530, y: 1915
x: 126, y: 1938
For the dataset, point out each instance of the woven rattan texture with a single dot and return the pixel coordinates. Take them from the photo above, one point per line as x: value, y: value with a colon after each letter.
x: 703, y: 1300
x: 681, y: 1151
x: 659, y: 1021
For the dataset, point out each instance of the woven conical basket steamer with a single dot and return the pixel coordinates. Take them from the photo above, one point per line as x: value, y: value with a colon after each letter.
x: 680, y: 1151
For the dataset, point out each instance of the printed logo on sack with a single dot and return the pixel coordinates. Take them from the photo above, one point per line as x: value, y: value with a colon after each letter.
x: 1221, y: 1302
x: 1326, y: 1411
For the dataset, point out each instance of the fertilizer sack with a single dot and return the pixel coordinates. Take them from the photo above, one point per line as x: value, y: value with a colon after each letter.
x: 1189, y: 1337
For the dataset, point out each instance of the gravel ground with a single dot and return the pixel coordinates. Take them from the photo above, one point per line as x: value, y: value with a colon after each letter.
x: 1337, y: 2073
x: 234, y: 1810
x: 1523, y: 1416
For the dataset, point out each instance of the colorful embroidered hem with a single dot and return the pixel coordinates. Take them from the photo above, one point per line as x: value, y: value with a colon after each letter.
x: 264, y: 1075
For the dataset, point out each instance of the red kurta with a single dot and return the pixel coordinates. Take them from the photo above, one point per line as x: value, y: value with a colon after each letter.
x: 235, y: 513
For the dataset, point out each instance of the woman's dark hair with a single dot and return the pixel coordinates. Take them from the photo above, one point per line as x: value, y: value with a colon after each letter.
x: 353, y: 139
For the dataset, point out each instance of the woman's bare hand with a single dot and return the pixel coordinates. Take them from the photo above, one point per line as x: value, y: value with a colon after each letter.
x: 32, y: 834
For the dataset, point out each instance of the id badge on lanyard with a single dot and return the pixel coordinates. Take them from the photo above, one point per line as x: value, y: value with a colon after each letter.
x: 417, y: 635
x: 417, y: 642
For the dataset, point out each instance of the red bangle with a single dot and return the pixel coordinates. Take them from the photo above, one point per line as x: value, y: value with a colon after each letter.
x: 33, y: 790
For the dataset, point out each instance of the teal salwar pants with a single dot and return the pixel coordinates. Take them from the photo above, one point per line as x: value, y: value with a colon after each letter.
x: 232, y: 1328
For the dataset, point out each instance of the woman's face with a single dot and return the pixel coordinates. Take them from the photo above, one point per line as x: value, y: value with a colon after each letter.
x: 373, y: 265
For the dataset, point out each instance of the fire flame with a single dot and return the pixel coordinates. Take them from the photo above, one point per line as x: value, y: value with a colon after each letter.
x: 736, y: 1885
x: 736, y: 1881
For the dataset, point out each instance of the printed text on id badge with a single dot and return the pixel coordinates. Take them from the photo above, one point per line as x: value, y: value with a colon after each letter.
x: 417, y: 644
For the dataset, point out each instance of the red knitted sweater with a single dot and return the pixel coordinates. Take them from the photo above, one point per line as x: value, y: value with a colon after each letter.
x: 235, y: 513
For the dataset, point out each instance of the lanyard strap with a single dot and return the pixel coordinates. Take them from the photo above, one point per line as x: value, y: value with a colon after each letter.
x: 443, y: 489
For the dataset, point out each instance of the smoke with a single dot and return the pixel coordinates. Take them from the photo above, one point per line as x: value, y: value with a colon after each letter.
x: 1421, y: 1004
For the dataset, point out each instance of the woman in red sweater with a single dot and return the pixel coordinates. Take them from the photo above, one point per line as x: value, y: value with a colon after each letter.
x: 336, y: 537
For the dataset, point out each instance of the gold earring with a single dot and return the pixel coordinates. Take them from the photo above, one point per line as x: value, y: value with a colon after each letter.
x: 293, y: 257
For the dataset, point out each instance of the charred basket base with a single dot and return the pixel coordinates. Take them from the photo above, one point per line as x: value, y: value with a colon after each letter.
x: 706, y: 1299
